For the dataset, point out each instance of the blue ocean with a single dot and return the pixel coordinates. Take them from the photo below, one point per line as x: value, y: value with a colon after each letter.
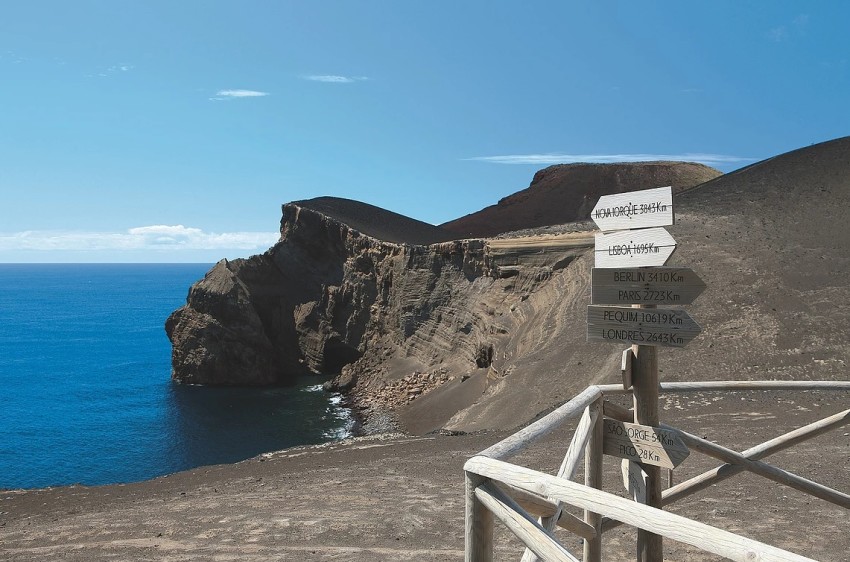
x: 86, y: 390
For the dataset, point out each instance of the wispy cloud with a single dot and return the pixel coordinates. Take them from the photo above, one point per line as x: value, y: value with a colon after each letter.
x: 779, y: 34
x: 114, y: 69
x: 155, y: 237
x: 799, y: 26
x: 335, y: 79
x: 555, y: 158
x: 224, y: 95
x: 11, y: 57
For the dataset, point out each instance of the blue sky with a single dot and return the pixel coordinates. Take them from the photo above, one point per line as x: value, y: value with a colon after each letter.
x: 173, y: 131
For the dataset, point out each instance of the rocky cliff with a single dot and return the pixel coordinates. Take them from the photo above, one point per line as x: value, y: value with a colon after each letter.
x: 322, y: 297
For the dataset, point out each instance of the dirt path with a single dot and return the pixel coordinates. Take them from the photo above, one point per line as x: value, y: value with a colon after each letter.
x: 400, y: 498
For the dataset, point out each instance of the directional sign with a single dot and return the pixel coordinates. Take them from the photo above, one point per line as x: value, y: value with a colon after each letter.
x: 669, y: 318
x: 634, y: 248
x: 659, y: 285
x: 644, y: 444
x: 635, y: 209
x: 666, y: 327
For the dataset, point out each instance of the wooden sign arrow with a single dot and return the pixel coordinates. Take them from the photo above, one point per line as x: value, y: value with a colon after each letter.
x: 665, y: 327
x: 643, y: 443
x: 634, y: 248
x: 670, y: 318
x: 635, y: 209
x: 658, y: 285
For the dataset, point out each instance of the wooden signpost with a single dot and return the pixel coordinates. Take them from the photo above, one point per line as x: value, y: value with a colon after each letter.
x: 633, y: 285
x: 634, y: 248
x: 643, y: 444
x: 628, y: 272
x: 666, y: 327
x: 634, y: 209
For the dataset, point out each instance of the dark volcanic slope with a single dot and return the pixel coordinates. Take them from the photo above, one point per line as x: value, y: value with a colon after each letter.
x: 377, y: 222
x: 771, y: 242
x: 568, y: 192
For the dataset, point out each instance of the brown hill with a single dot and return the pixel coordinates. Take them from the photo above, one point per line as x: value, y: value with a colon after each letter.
x: 568, y: 192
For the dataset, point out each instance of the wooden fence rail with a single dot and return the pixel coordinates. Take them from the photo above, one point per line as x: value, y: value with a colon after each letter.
x: 517, y: 496
x: 705, y: 537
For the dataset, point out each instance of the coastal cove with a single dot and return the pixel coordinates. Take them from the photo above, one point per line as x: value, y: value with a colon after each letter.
x: 85, y: 364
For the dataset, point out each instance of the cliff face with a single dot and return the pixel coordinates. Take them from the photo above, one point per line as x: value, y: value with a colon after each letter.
x: 319, y: 300
x: 420, y: 330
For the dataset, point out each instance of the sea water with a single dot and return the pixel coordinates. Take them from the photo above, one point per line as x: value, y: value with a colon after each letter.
x: 85, y: 389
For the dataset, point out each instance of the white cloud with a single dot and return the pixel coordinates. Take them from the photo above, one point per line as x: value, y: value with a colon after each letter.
x: 335, y: 79
x: 799, y: 27
x: 778, y: 34
x: 223, y: 95
x: 550, y: 158
x: 155, y: 237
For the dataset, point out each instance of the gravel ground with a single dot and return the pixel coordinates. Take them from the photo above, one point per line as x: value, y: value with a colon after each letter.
x: 396, y: 497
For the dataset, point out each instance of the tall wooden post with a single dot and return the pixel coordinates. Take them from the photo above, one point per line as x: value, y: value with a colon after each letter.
x: 479, y: 524
x: 593, y: 478
x: 645, y: 388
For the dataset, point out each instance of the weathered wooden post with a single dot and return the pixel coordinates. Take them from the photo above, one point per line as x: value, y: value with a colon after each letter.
x: 645, y: 392
x: 478, y: 524
x: 593, y: 479
x: 628, y: 273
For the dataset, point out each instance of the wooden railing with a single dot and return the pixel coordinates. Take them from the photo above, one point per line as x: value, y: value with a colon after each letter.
x: 530, y: 503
